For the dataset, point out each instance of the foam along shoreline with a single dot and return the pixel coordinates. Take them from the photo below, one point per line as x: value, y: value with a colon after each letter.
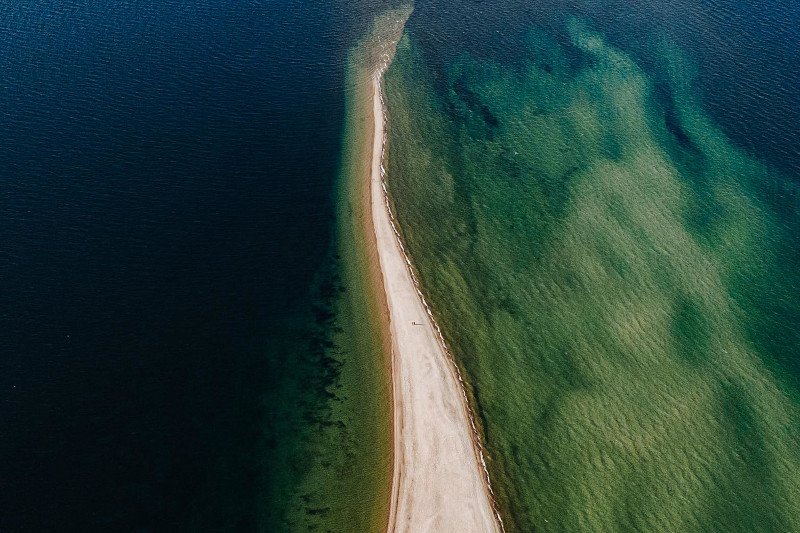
x: 440, y: 480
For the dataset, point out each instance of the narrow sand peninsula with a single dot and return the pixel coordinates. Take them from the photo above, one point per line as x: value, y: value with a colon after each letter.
x: 440, y: 481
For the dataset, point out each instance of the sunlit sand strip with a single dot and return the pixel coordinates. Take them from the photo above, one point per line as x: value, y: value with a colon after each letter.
x: 440, y: 480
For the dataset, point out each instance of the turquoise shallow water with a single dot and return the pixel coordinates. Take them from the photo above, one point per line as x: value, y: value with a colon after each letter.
x: 609, y: 241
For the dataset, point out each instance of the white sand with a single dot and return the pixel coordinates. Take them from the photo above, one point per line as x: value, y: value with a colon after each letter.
x: 440, y: 483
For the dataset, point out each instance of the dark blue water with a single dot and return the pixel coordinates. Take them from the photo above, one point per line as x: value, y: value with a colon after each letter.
x: 166, y: 173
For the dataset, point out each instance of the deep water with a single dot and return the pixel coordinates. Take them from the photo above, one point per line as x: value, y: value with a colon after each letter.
x: 166, y: 264
x: 601, y: 200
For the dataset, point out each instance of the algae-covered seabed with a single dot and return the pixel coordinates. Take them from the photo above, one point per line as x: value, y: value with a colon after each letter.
x: 339, y: 476
x: 617, y: 279
x: 332, y: 471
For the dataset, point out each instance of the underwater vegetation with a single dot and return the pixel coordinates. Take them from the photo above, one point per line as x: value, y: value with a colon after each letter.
x: 617, y: 279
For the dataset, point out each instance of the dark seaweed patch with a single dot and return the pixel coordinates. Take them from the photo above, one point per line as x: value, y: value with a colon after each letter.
x: 473, y: 103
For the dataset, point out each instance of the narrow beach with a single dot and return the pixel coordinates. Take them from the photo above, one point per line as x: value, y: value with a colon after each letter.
x: 439, y: 481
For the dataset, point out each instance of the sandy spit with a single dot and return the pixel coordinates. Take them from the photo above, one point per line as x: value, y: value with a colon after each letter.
x: 440, y: 482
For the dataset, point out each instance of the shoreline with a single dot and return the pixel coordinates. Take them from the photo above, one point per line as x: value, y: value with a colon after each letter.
x: 363, y: 309
x: 429, y: 410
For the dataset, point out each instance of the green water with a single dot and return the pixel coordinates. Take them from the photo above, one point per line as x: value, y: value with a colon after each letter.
x: 339, y: 478
x: 616, y: 278
x: 336, y: 474
x: 334, y: 463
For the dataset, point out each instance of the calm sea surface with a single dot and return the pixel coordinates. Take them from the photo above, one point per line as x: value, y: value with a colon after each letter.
x: 165, y: 194
x: 601, y: 199
x: 166, y: 181
x: 745, y: 53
